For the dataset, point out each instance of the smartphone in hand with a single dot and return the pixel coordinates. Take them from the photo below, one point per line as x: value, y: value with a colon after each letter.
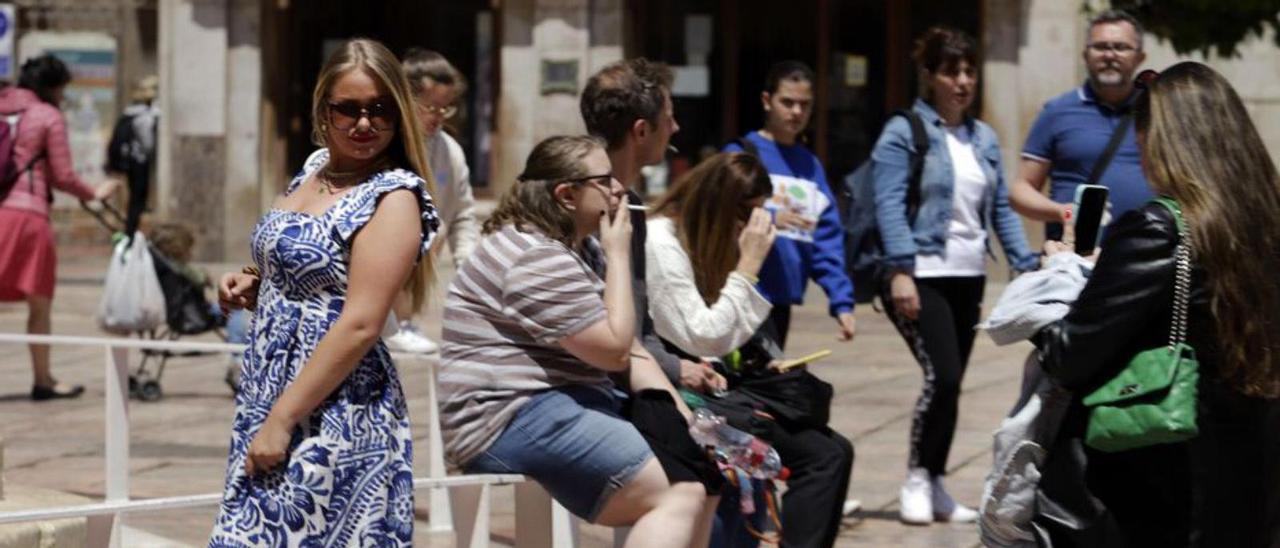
x: 1087, y: 210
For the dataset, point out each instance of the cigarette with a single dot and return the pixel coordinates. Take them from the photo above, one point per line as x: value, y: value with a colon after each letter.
x: 637, y: 207
x: 672, y: 148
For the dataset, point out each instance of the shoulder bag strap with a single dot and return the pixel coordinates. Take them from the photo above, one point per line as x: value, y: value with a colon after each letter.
x: 1105, y: 160
x: 920, y: 147
x: 1182, y: 276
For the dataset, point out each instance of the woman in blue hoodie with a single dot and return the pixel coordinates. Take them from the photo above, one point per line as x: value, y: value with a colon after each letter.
x: 936, y: 263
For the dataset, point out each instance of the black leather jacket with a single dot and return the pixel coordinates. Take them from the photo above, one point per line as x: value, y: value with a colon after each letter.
x: 1126, y: 306
x: 1218, y: 489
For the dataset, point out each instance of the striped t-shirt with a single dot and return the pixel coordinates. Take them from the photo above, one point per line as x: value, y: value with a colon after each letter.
x: 510, y: 304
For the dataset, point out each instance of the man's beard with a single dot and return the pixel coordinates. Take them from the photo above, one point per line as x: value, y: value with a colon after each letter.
x: 1109, y: 77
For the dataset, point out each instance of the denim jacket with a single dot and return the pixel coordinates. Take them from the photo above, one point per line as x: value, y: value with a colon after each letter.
x: 890, y: 168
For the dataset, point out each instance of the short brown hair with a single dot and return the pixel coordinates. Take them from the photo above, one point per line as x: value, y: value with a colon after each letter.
x: 173, y: 240
x: 620, y: 94
x: 944, y: 47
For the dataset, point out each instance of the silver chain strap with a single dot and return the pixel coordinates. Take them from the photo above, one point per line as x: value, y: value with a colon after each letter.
x: 1181, y: 286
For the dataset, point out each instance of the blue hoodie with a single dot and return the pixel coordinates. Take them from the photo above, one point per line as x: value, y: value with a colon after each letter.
x: 799, y: 182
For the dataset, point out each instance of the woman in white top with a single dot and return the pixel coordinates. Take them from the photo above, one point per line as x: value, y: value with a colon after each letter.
x: 707, y: 240
x: 708, y: 237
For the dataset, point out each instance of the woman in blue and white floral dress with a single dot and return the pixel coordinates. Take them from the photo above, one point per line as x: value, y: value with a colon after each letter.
x: 321, y: 453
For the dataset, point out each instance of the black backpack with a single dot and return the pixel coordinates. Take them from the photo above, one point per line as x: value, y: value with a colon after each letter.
x: 122, y: 150
x: 863, y: 248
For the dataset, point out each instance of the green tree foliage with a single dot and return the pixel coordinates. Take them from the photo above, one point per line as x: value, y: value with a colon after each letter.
x: 1206, y: 26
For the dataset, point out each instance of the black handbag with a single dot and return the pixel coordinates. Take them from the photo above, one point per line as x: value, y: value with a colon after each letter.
x: 794, y: 397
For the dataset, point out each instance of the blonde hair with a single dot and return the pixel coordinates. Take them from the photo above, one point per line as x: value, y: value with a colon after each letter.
x: 1200, y: 147
x: 407, y: 147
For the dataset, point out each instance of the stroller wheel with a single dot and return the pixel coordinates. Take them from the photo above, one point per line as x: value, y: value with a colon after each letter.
x: 133, y: 386
x: 150, y: 391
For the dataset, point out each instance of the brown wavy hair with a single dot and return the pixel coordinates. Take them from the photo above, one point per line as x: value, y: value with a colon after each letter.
x: 531, y: 200
x: 406, y: 148
x: 1201, y: 148
x: 707, y: 204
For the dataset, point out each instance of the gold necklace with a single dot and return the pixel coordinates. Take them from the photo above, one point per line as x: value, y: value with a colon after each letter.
x: 334, y: 181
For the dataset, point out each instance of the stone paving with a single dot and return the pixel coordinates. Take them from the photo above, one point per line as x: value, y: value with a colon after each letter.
x: 179, y: 443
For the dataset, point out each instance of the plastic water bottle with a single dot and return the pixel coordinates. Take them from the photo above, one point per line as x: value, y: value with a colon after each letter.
x: 735, y: 448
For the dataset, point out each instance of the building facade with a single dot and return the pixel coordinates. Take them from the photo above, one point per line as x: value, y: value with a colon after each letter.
x: 236, y: 76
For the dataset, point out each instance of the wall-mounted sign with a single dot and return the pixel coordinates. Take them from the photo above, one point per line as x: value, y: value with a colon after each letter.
x: 559, y: 77
x: 855, y: 71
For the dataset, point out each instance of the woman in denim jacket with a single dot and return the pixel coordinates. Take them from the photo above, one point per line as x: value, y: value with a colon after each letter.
x: 936, y: 262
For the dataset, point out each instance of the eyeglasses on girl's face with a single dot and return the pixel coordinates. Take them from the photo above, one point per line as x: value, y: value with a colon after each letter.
x: 345, y: 115
x: 445, y: 112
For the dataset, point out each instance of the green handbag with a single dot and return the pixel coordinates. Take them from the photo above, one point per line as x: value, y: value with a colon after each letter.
x: 1153, y: 399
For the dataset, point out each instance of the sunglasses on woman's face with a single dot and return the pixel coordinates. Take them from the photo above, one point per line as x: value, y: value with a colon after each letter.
x: 345, y: 115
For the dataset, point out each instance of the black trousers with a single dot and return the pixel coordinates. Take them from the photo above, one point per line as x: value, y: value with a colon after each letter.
x: 820, y: 460
x: 941, y: 339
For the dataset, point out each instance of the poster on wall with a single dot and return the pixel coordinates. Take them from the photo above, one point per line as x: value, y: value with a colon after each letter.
x: 89, y: 101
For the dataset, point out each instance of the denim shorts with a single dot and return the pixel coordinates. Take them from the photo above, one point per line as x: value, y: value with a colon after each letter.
x: 572, y: 441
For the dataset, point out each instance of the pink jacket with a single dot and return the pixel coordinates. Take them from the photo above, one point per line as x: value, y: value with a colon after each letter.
x: 41, y: 128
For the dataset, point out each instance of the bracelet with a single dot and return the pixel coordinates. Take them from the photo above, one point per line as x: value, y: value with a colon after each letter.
x: 252, y: 271
x: 750, y: 278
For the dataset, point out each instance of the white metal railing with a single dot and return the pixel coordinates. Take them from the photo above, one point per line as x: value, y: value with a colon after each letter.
x: 458, y: 503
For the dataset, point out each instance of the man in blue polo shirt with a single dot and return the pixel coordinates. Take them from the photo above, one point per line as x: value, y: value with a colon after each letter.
x: 1072, y: 131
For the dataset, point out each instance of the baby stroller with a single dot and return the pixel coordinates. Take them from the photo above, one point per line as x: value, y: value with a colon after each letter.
x: 187, y: 312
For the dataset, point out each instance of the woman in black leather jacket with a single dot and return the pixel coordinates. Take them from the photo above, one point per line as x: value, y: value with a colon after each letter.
x: 1219, y: 489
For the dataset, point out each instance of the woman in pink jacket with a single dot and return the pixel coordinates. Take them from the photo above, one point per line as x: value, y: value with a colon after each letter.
x: 41, y: 160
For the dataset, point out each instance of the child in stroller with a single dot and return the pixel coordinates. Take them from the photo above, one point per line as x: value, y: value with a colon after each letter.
x: 187, y: 311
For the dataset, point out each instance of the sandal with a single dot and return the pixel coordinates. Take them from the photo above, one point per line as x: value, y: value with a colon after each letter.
x: 55, y: 392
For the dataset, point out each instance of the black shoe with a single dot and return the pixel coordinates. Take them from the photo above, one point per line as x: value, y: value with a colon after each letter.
x: 56, y: 392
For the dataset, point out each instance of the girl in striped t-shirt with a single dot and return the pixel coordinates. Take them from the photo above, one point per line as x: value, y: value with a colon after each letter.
x: 530, y: 335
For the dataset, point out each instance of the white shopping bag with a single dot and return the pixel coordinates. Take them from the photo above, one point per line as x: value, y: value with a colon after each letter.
x: 132, y: 299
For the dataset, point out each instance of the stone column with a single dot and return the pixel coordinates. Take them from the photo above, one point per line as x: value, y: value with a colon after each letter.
x: 193, y: 153
x: 587, y: 33
x: 1032, y: 55
x: 244, y: 97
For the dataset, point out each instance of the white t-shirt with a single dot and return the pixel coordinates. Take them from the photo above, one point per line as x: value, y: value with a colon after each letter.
x: 966, y: 239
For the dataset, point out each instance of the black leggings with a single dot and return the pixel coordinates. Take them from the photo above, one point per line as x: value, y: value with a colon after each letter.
x: 941, y: 340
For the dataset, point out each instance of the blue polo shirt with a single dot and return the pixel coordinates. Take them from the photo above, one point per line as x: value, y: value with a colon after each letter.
x: 1070, y: 134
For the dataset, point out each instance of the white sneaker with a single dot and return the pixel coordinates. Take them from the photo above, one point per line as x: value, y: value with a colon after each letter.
x: 946, y: 508
x: 851, y: 506
x: 915, y: 505
x: 409, y: 339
